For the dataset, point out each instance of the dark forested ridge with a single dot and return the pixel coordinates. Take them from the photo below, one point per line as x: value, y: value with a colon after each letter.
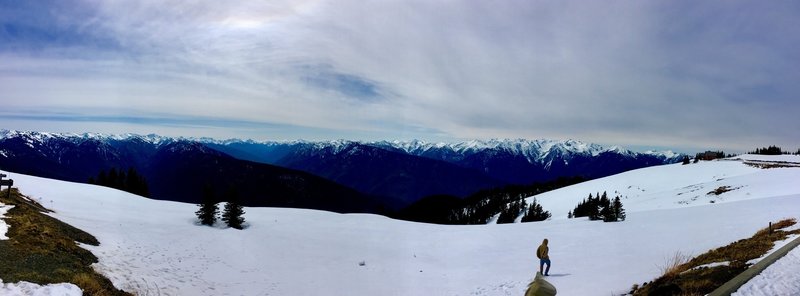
x: 405, y: 172
x: 341, y: 176
x: 176, y: 170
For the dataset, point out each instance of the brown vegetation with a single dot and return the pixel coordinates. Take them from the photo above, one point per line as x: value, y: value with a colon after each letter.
x: 694, y: 277
x: 43, y: 250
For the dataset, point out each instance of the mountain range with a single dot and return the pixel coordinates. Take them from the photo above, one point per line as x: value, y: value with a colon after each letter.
x: 344, y: 176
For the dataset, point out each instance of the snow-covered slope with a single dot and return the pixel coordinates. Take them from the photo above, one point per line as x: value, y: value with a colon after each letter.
x: 155, y: 247
x: 677, y: 185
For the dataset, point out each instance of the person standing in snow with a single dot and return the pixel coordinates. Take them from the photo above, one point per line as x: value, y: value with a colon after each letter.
x: 544, y: 258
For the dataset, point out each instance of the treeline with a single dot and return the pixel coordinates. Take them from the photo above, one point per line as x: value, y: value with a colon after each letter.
x: 131, y: 181
x: 710, y: 155
x: 532, y: 212
x: 478, y: 208
x: 772, y: 150
x: 599, y: 207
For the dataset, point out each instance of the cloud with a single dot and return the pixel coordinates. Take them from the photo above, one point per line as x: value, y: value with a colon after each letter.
x: 645, y: 73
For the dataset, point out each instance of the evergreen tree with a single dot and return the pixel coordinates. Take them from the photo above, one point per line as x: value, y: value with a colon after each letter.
x: 102, y: 178
x: 119, y: 183
x: 233, y: 211
x: 599, y: 208
x: 131, y: 182
x: 604, y: 208
x: 207, y: 214
x: 135, y: 183
x: 112, y: 178
x: 686, y: 160
x: 619, y: 212
x: 607, y: 214
x: 511, y: 211
x: 569, y: 215
x: 535, y: 212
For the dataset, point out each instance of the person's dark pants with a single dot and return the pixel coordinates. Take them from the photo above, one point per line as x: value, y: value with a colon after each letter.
x: 542, y: 262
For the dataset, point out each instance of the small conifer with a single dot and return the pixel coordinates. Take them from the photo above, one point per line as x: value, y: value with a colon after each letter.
x: 207, y: 214
x: 233, y: 211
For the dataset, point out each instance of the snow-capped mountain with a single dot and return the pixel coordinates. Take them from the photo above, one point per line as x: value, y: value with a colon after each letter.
x: 401, y: 172
x: 371, y: 166
x: 541, y: 150
x: 523, y: 161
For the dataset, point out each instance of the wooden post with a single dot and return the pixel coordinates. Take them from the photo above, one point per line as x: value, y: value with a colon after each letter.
x: 770, y: 227
x: 4, y: 182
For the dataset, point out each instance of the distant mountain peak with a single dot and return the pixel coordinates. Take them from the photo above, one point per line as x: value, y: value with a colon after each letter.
x: 539, y: 150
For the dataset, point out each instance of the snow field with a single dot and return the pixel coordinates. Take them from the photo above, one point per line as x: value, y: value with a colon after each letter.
x: 31, y: 289
x: 155, y: 247
x: 779, y: 279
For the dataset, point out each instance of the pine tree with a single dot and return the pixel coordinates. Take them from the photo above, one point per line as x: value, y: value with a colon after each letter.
x: 207, y: 214
x: 112, y: 178
x: 619, y: 212
x: 102, y: 178
x: 604, y: 209
x: 233, y: 211
x: 536, y: 213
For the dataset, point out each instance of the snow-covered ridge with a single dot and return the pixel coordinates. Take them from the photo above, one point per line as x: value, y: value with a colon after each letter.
x: 31, y: 136
x: 533, y: 150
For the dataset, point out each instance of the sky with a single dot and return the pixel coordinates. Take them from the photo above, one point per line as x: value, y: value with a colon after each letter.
x: 684, y: 75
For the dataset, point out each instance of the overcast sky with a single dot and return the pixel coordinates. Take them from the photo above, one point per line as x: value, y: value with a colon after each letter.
x: 685, y: 75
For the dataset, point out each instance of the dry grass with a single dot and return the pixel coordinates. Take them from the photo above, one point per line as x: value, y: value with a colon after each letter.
x: 90, y: 284
x: 682, y: 276
x: 675, y: 264
x: 43, y: 250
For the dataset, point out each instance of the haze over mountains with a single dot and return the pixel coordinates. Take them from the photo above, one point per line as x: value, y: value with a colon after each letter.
x: 343, y: 176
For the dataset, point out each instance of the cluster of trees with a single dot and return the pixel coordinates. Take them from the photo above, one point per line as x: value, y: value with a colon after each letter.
x: 131, y: 181
x: 535, y: 213
x: 508, y: 201
x: 479, y: 208
x: 600, y: 207
x: 231, y: 213
x: 711, y: 155
x: 772, y: 150
x: 532, y: 212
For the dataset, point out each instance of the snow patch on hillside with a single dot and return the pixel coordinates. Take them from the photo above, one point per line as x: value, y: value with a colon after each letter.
x: 3, y: 226
x: 30, y: 289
